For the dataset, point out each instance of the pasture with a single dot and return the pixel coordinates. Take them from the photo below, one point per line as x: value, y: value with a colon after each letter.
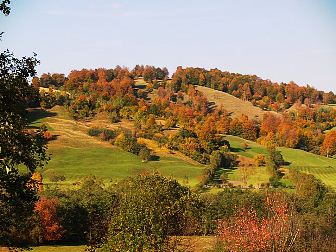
x: 75, y: 154
x: 321, y: 167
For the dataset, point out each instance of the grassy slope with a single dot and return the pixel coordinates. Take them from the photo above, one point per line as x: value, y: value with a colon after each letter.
x: 322, y: 167
x: 232, y: 104
x: 75, y: 154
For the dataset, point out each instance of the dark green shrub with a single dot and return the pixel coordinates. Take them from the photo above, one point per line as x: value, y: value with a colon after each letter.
x: 94, y: 131
x: 107, y: 134
x: 144, y: 154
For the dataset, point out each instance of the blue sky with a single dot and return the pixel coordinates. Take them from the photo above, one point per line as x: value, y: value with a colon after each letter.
x: 278, y: 40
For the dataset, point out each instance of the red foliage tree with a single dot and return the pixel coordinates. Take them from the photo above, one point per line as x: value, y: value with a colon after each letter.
x: 246, y: 232
x: 47, y: 212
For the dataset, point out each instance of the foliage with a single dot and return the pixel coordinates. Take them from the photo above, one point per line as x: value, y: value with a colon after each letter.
x: 151, y: 209
x: 246, y: 232
x: 259, y: 160
x: 4, y: 7
x: 50, y: 224
x: 18, y: 146
x: 144, y: 154
x: 128, y: 143
x: 328, y: 147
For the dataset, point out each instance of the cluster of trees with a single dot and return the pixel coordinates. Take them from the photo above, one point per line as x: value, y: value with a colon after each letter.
x: 196, y: 146
x: 149, y: 213
x: 150, y: 73
x: 46, y: 80
x: 301, y: 129
x: 124, y: 140
x: 263, y: 93
x: 51, y: 98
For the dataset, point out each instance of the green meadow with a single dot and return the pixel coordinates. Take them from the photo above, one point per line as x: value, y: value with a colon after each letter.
x: 321, y: 167
x: 74, y: 154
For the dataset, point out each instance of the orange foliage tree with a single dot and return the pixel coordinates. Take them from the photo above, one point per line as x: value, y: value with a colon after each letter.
x: 47, y: 212
x: 328, y: 147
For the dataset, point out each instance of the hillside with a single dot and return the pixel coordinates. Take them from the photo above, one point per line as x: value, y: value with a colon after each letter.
x: 217, y: 98
x: 232, y: 104
x: 321, y: 167
x: 75, y: 154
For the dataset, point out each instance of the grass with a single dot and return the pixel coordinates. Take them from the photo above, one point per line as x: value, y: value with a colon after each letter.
x: 246, y: 176
x: 74, y: 154
x: 57, y: 248
x: 232, y: 104
x: 237, y: 145
x: 111, y: 163
x: 187, y: 243
x: 321, y: 167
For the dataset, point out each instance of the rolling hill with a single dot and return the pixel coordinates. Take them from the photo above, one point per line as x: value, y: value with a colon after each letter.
x: 75, y: 154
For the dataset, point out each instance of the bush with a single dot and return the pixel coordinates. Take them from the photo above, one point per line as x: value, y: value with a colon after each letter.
x: 104, y: 134
x: 107, y: 135
x: 114, y: 117
x: 152, y: 209
x: 128, y: 143
x: 144, y: 154
x: 48, y: 136
x: 259, y: 160
x: 94, y: 132
x: 54, y: 176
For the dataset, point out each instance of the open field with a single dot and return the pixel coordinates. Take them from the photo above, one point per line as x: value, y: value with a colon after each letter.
x: 74, y: 154
x: 321, y: 167
x: 232, y: 104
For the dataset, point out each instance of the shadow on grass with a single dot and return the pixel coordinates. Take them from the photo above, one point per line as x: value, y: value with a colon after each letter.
x: 141, y: 86
x: 233, y: 149
x: 38, y: 113
x: 154, y: 158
